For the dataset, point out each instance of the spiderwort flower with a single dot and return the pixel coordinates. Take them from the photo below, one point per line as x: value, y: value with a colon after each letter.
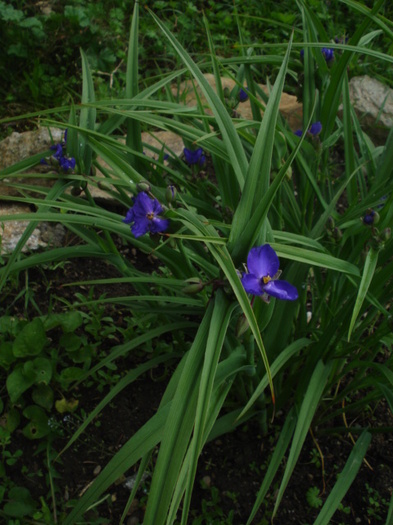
x: 145, y: 216
x: 263, y: 272
x: 328, y: 53
x: 314, y: 130
x: 371, y: 218
x: 58, y: 158
x: 243, y: 95
x: 194, y: 157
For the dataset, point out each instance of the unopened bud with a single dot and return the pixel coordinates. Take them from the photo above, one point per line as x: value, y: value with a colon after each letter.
x: 330, y: 223
x: 337, y: 234
x: 242, y: 326
x: 386, y: 234
x: 170, y: 194
x: 193, y: 286
x: 143, y: 186
x: 76, y: 191
x: 288, y: 173
x: 371, y: 218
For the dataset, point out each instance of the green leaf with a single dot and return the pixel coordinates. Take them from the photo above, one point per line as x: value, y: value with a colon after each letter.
x: 345, y: 479
x: 231, y: 139
x: 17, y: 383
x: 258, y: 173
x: 43, y: 396
x: 306, y: 413
x: 31, y: 339
x: 20, y: 503
x: 368, y: 273
x: 87, y: 116
x: 38, y: 426
x: 6, y: 355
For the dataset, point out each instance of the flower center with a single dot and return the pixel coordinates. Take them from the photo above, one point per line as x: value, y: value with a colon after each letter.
x: 150, y: 216
x: 266, y: 279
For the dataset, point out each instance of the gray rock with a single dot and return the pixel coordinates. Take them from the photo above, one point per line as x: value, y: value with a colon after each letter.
x: 373, y: 103
x: 20, y: 146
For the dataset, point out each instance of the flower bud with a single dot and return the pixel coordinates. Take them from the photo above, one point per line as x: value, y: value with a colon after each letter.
x: 193, y: 286
x: 371, y: 218
x: 242, y: 326
x: 170, y: 194
x: 330, y: 223
x: 76, y: 191
x: 143, y: 186
x: 337, y: 234
x: 386, y: 234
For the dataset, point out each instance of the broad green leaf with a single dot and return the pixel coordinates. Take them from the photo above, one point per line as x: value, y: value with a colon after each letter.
x: 38, y: 426
x: 17, y: 383
x: 31, y: 339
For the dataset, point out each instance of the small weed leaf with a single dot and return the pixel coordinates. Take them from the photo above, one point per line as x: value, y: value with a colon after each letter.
x: 20, y: 503
x: 38, y: 426
x: 43, y: 396
x: 17, y: 383
x: 30, y: 340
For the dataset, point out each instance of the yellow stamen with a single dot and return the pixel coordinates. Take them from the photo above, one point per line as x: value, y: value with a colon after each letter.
x: 150, y: 216
x: 266, y: 279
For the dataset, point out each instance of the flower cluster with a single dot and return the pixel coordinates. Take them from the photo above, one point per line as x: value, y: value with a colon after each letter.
x: 59, y: 158
x: 263, y: 273
x: 194, y: 157
x: 145, y: 214
x: 314, y: 130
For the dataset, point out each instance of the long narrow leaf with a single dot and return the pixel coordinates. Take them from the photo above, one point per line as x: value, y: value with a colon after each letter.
x: 368, y: 273
x: 345, y: 479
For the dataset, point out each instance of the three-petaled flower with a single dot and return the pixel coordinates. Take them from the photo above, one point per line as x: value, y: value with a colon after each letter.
x: 194, y: 157
x: 145, y: 216
x: 263, y: 273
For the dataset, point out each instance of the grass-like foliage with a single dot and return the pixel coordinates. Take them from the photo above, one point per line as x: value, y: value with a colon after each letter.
x: 248, y: 352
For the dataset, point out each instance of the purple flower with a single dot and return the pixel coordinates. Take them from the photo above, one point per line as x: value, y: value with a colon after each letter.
x: 314, y: 130
x: 243, y: 95
x: 371, y: 218
x: 145, y: 216
x: 328, y: 53
x: 67, y: 163
x: 194, y: 157
x: 58, y: 158
x: 263, y: 272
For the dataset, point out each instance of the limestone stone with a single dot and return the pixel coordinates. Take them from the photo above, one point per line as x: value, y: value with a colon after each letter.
x: 20, y: 146
x: 373, y: 103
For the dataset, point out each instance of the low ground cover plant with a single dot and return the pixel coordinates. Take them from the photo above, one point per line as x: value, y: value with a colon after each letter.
x: 273, y: 272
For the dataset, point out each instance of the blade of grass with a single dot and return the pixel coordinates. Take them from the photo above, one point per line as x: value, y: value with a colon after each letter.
x: 345, y: 479
x: 368, y: 273
x: 307, y: 411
